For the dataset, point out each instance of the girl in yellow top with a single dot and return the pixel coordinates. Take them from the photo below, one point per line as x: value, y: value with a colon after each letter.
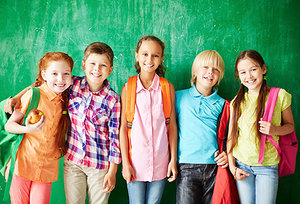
x: 36, y: 165
x: 256, y: 183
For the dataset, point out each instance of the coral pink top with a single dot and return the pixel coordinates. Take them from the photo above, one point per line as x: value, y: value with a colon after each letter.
x: 149, y: 139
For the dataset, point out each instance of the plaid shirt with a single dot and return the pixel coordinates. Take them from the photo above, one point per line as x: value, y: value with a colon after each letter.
x: 93, y: 139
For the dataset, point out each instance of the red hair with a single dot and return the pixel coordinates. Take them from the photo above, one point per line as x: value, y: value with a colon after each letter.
x: 63, y: 125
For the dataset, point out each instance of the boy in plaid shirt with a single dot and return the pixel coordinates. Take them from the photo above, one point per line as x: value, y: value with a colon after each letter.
x: 93, y: 151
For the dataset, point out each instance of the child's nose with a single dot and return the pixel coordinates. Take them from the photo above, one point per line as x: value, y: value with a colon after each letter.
x: 60, y: 77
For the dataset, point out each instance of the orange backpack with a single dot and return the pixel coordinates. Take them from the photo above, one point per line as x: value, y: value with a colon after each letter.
x: 130, y: 104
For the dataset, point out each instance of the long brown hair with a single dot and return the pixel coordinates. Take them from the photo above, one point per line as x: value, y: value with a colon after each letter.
x: 161, y: 70
x: 240, y: 98
x: 63, y: 124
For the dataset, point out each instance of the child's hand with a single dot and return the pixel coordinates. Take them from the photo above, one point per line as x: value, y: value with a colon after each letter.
x: 7, y: 169
x: 221, y: 159
x: 172, y: 171
x: 128, y: 173
x: 10, y: 103
x: 35, y: 127
x: 266, y: 127
x: 109, y: 182
x: 239, y: 174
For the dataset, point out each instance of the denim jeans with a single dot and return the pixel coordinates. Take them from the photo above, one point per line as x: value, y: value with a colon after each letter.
x: 195, y: 183
x: 141, y: 192
x: 260, y: 187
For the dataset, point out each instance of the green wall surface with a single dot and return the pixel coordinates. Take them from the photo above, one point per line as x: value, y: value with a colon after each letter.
x: 30, y: 28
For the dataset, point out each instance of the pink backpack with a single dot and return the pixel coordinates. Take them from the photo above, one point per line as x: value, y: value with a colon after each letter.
x: 288, y: 144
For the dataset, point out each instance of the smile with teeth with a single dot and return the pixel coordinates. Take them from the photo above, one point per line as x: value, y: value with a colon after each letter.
x: 207, y: 78
x: 251, y: 81
x: 149, y: 65
x: 60, y: 85
x: 96, y: 75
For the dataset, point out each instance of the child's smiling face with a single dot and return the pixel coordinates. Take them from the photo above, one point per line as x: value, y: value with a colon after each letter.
x: 149, y: 56
x: 97, y: 68
x: 251, y: 74
x: 58, y: 76
x: 207, y: 77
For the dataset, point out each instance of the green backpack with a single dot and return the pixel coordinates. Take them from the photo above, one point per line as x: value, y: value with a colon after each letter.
x: 9, y: 142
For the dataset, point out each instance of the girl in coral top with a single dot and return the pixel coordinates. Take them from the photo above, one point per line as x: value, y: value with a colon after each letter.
x: 153, y: 151
x: 36, y: 165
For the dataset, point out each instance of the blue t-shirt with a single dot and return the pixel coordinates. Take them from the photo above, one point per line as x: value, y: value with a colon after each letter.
x: 197, y: 122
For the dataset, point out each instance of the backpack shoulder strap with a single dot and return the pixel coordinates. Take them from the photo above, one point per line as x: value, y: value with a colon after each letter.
x: 268, y: 115
x: 130, y: 100
x: 33, y: 104
x: 166, y: 96
x: 222, y: 126
x: 271, y: 102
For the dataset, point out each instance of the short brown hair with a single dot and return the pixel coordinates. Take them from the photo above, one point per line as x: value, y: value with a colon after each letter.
x: 99, y: 48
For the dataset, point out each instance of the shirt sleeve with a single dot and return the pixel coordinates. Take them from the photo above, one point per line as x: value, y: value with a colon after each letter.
x: 285, y: 99
x: 114, y: 124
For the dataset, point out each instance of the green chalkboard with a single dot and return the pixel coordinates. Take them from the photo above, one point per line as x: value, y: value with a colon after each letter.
x: 30, y: 28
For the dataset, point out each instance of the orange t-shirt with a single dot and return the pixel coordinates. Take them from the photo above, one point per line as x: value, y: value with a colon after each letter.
x: 38, y: 156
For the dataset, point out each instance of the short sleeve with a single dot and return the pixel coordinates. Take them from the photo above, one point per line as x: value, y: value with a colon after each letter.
x: 25, y: 99
x: 285, y: 99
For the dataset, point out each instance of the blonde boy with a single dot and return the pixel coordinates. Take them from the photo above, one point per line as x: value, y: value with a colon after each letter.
x: 197, y: 110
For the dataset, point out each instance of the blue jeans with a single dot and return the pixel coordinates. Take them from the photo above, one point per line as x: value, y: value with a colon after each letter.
x: 195, y: 183
x: 141, y: 192
x: 260, y: 186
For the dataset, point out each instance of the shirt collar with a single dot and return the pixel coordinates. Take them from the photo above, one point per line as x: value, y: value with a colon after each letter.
x: 212, y: 98
x: 84, y: 84
x: 154, y: 85
x: 49, y: 93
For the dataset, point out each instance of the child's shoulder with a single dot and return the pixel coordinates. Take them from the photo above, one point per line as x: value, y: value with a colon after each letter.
x: 111, y: 93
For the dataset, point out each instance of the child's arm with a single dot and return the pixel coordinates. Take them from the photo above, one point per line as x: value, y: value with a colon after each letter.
x: 127, y: 170
x: 110, y: 178
x: 13, y: 124
x: 14, y: 102
x: 286, y: 127
x: 237, y: 173
x: 172, y: 167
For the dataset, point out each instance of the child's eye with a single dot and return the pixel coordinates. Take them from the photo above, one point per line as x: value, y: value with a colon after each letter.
x: 156, y: 55
x: 104, y: 65
x: 67, y: 74
x: 92, y: 63
x: 216, y: 70
x: 205, y: 67
x: 145, y: 54
x: 54, y: 74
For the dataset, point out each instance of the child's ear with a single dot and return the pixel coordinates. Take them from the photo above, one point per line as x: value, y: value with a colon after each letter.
x: 136, y: 56
x: 264, y: 69
x: 83, y: 65
x: 43, y: 73
x: 111, y: 69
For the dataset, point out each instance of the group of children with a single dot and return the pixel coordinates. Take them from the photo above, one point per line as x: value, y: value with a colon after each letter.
x: 166, y: 135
